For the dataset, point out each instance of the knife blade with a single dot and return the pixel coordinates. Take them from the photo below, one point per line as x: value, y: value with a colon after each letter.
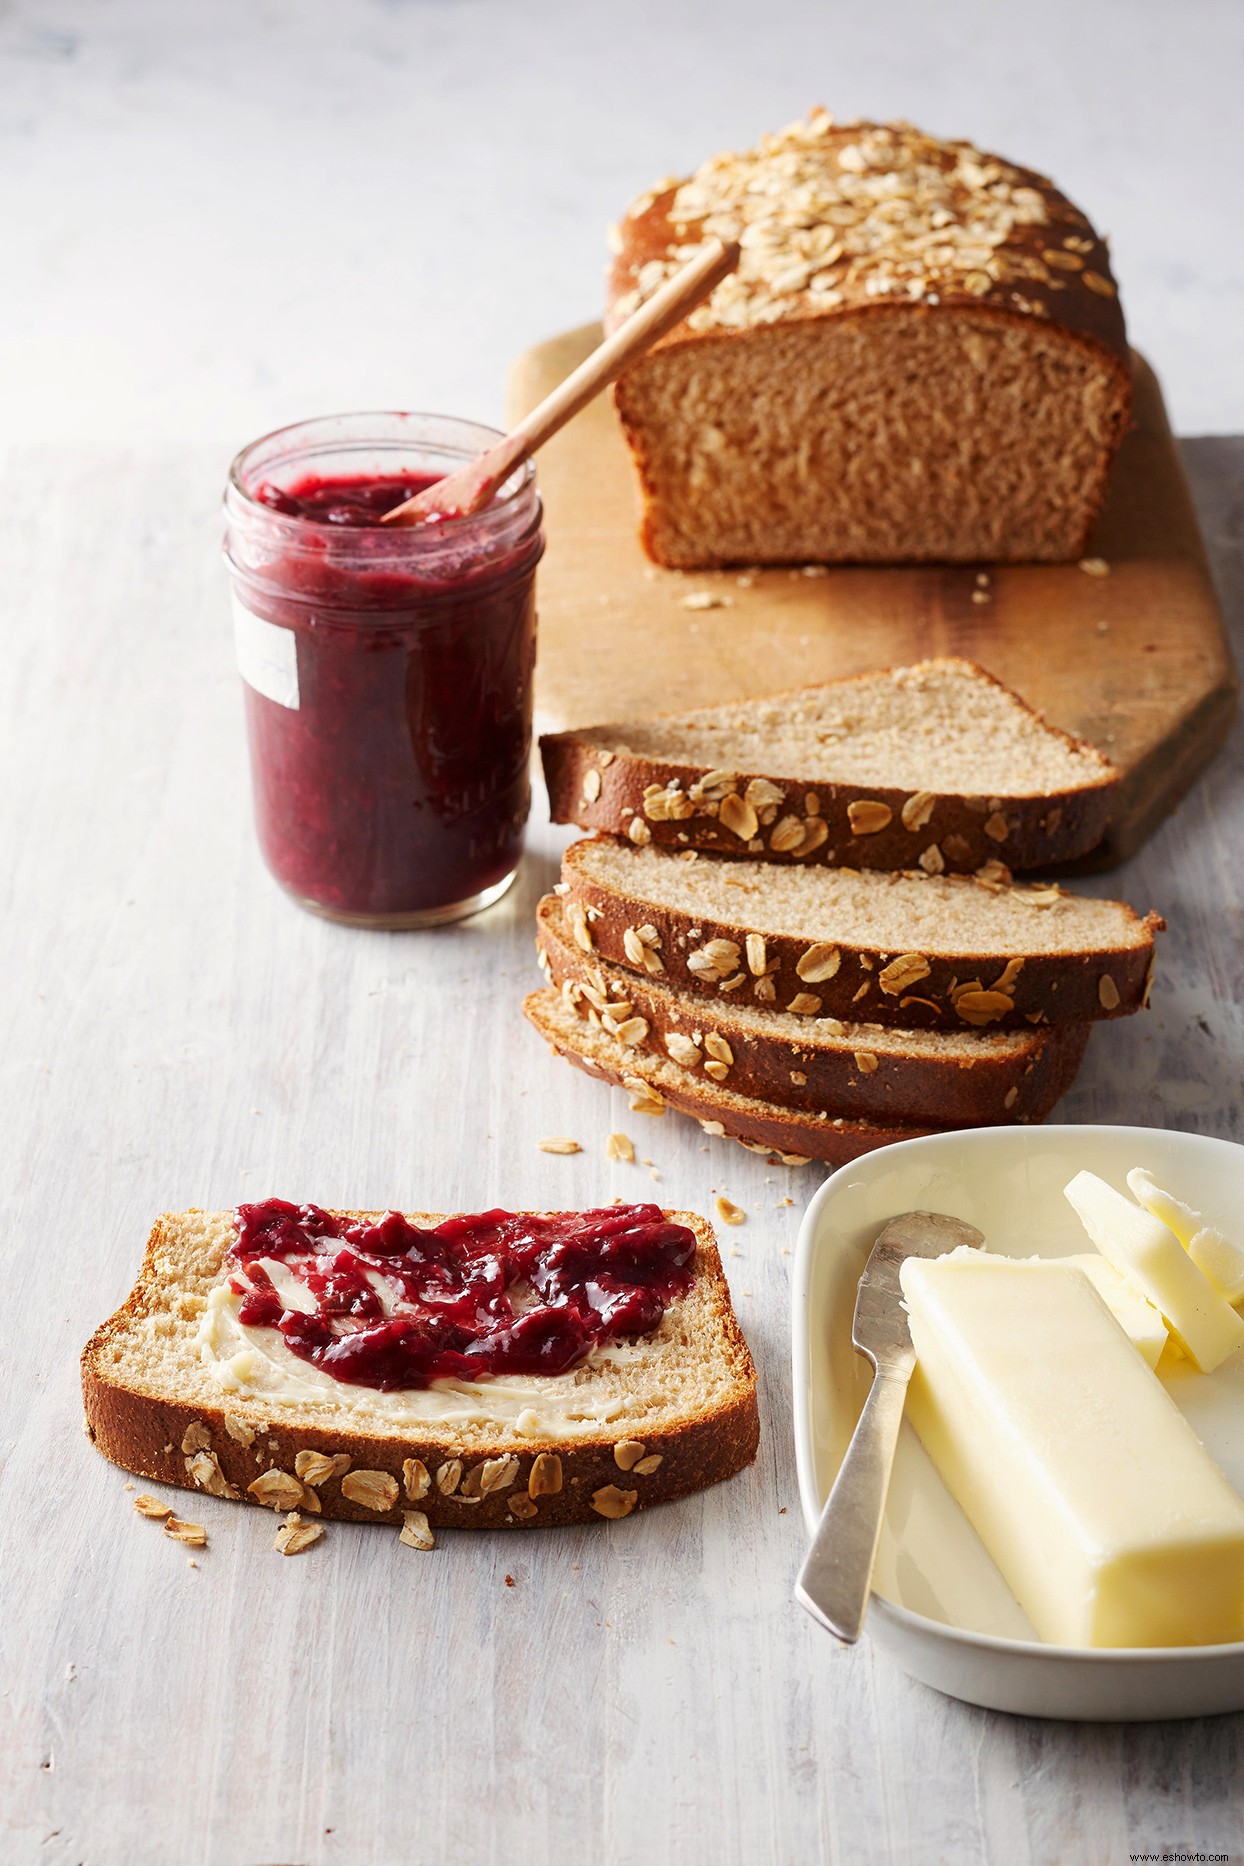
x: 834, y: 1581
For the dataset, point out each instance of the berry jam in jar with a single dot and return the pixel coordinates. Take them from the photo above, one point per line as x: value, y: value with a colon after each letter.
x: 387, y: 670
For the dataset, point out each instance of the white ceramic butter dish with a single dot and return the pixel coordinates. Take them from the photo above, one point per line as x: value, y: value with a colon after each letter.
x: 940, y: 1609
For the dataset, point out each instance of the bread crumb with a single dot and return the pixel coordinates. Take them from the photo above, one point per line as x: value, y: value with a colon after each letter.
x: 192, y: 1533
x: 729, y: 1212
x: 294, y: 1535
x: 509, y: 1580
x: 1094, y: 566
x: 704, y: 599
x: 558, y: 1143
x: 980, y: 596
x: 416, y: 1531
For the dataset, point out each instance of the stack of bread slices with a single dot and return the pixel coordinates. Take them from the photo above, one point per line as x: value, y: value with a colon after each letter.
x: 797, y: 919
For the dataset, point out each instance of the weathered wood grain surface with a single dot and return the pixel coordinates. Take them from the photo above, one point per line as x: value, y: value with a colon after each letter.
x: 176, y: 1033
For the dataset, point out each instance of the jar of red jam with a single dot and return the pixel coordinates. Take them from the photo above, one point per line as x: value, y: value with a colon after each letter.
x: 387, y: 670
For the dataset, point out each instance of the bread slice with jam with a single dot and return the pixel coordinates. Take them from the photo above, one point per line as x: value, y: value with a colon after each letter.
x: 935, y: 766
x: 641, y: 1421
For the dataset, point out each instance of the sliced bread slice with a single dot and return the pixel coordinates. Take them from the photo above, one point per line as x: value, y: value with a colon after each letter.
x: 924, y: 951
x: 867, y: 1071
x: 655, y: 1083
x: 162, y: 1401
x: 936, y: 765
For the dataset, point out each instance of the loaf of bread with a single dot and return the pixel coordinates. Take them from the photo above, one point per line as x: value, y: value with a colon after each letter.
x: 675, y: 1410
x: 937, y: 766
x: 921, y: 357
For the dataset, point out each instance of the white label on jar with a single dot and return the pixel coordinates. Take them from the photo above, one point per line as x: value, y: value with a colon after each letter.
x: 267, y: 656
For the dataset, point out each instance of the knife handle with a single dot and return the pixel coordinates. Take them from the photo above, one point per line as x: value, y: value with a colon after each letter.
x: 834, y: 1581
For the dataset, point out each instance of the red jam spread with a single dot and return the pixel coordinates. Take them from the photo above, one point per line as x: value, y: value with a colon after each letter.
x: 396, y: 786
x: 356, y: 502
x: 497, y: 1293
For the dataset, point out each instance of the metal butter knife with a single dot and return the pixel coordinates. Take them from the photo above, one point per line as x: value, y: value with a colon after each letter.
x: 834, y: 1581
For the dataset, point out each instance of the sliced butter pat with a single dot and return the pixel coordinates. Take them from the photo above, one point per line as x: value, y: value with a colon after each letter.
x: 1099, y: 1505
x: 1215, y: 1255
x: 1135, y: 1314
x: 1148, y: 1253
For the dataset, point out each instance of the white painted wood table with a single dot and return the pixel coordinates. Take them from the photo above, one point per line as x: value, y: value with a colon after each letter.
x: 176, y: 1033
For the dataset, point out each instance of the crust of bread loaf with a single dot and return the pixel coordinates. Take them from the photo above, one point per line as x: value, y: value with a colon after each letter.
x: 1041, y: 831
x: 1048, y: 987
x: 143, y: 1432
x: 1022, y: 1083
x: 761, y: 1126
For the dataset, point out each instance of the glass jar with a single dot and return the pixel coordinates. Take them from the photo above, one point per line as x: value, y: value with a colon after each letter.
x: 387, y: 671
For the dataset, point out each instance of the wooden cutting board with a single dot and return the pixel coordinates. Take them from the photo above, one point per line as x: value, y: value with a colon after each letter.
x: 1136, y: 661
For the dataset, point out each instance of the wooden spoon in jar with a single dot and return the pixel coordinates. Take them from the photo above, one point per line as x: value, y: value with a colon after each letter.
x: 471, y: 487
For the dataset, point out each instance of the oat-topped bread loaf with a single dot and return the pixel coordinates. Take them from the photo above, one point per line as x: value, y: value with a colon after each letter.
x: 921, y: 357
x: 228, y: 1370
x: 865, y: 1071
x: 923, y: 951
x: 937, y: 766
x: 654, y: 1083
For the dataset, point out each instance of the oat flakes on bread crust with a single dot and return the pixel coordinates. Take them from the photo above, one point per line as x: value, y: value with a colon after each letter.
x: 146, y: 1395
x: 963, y: 770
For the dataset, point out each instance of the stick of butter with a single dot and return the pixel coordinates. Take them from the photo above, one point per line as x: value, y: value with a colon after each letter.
x: 1135, y: 1314
x: 1216, y: 1256
x: 1105, y: 1514
x: 1148, y: 1253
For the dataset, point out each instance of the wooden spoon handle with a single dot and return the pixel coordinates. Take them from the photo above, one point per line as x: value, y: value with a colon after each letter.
x: 473, y: 486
